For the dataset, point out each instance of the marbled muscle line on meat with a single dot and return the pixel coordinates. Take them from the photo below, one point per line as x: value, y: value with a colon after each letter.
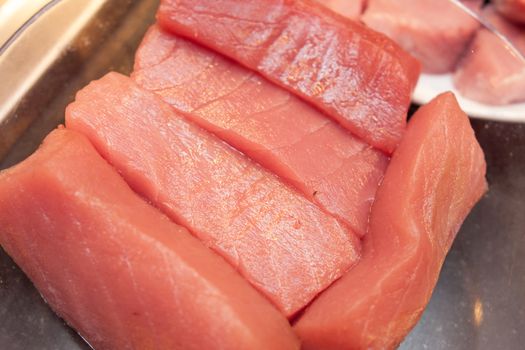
x: 273, y: 127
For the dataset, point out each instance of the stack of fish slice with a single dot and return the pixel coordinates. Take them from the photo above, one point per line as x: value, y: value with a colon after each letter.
x: 252, y: 185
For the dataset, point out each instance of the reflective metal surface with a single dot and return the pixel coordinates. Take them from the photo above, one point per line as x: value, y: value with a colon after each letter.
x: 106, y: 41
x: 14, y: 13
x: 61, y: 46
x: 479, y: 302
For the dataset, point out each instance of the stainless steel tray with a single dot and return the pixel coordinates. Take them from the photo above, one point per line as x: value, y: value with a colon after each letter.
x: 479, y: 302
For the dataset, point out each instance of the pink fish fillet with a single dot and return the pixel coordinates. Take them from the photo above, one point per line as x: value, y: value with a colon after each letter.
x: 514, y: 10
x: 279, y: 241
x: 357, y: 76
x: 435, y: 31
x: 490, y: 72
x: 348, y: 8
x: 435, y: 177
x: 118, y: 270
x: 278, y: 130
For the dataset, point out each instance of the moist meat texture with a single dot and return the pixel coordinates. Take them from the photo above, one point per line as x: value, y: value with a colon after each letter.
x: 115, y: 268
x: 435, y: 177
x: 297, y: 142
x: 357, y: 76
x: 280, y: 242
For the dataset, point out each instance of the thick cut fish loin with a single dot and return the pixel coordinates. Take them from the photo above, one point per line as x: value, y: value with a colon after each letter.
x: 435, y: 177
x: 490, y: 72
x: 434, y: 31
x: 279, y: 241
x: 278, y: 130
x: 118, y: 270
x: 348, y: 8
x: 356, y: 75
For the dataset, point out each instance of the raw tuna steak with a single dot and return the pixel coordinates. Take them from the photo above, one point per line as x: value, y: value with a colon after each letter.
x: 435, y: 177
x: 348, y: 8
x: 512, y: 9
x: 434, y: 31
x: 279, y: 241
x: 276, y: 129
x: 118, y: 270
x: 359, y: 77
x: 490, y: 72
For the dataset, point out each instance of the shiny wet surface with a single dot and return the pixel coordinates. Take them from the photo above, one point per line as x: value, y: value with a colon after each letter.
x: 479, y: 302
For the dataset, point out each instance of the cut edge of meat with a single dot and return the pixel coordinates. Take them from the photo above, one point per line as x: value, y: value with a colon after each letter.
x: 369, y: 307
x: 389, y: 129
x: 83, y: 197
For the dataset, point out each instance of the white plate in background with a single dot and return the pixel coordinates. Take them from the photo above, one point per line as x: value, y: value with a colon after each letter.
x: 430, y: 85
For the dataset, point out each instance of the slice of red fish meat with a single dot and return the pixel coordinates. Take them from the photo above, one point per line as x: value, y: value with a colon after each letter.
x: 283, y: 244
x: 435, y: 177
x: 435, y: 32
x: 318, y: 157
x: 349, y: 8
x: 357, y: 76
x: 117, y: 269
x: 490, y: 72
x: 514, y: 10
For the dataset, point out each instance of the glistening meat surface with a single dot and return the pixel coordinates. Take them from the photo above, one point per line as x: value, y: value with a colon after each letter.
x: 357, y: 76
x: 118, y: 270
x: 302, y: 146
x: 280, y: 242
x: 435, y: 177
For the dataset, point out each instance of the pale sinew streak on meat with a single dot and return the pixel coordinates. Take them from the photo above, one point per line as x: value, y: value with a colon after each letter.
x: 435, y: 177
x: 348, y: 8
x: 512, y: 9
x: 356, y: 75
x: 275, y: 128
x: 279, y: 241
x: 490, y: 72
x: 118, y: 270
x: 434, y: 31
